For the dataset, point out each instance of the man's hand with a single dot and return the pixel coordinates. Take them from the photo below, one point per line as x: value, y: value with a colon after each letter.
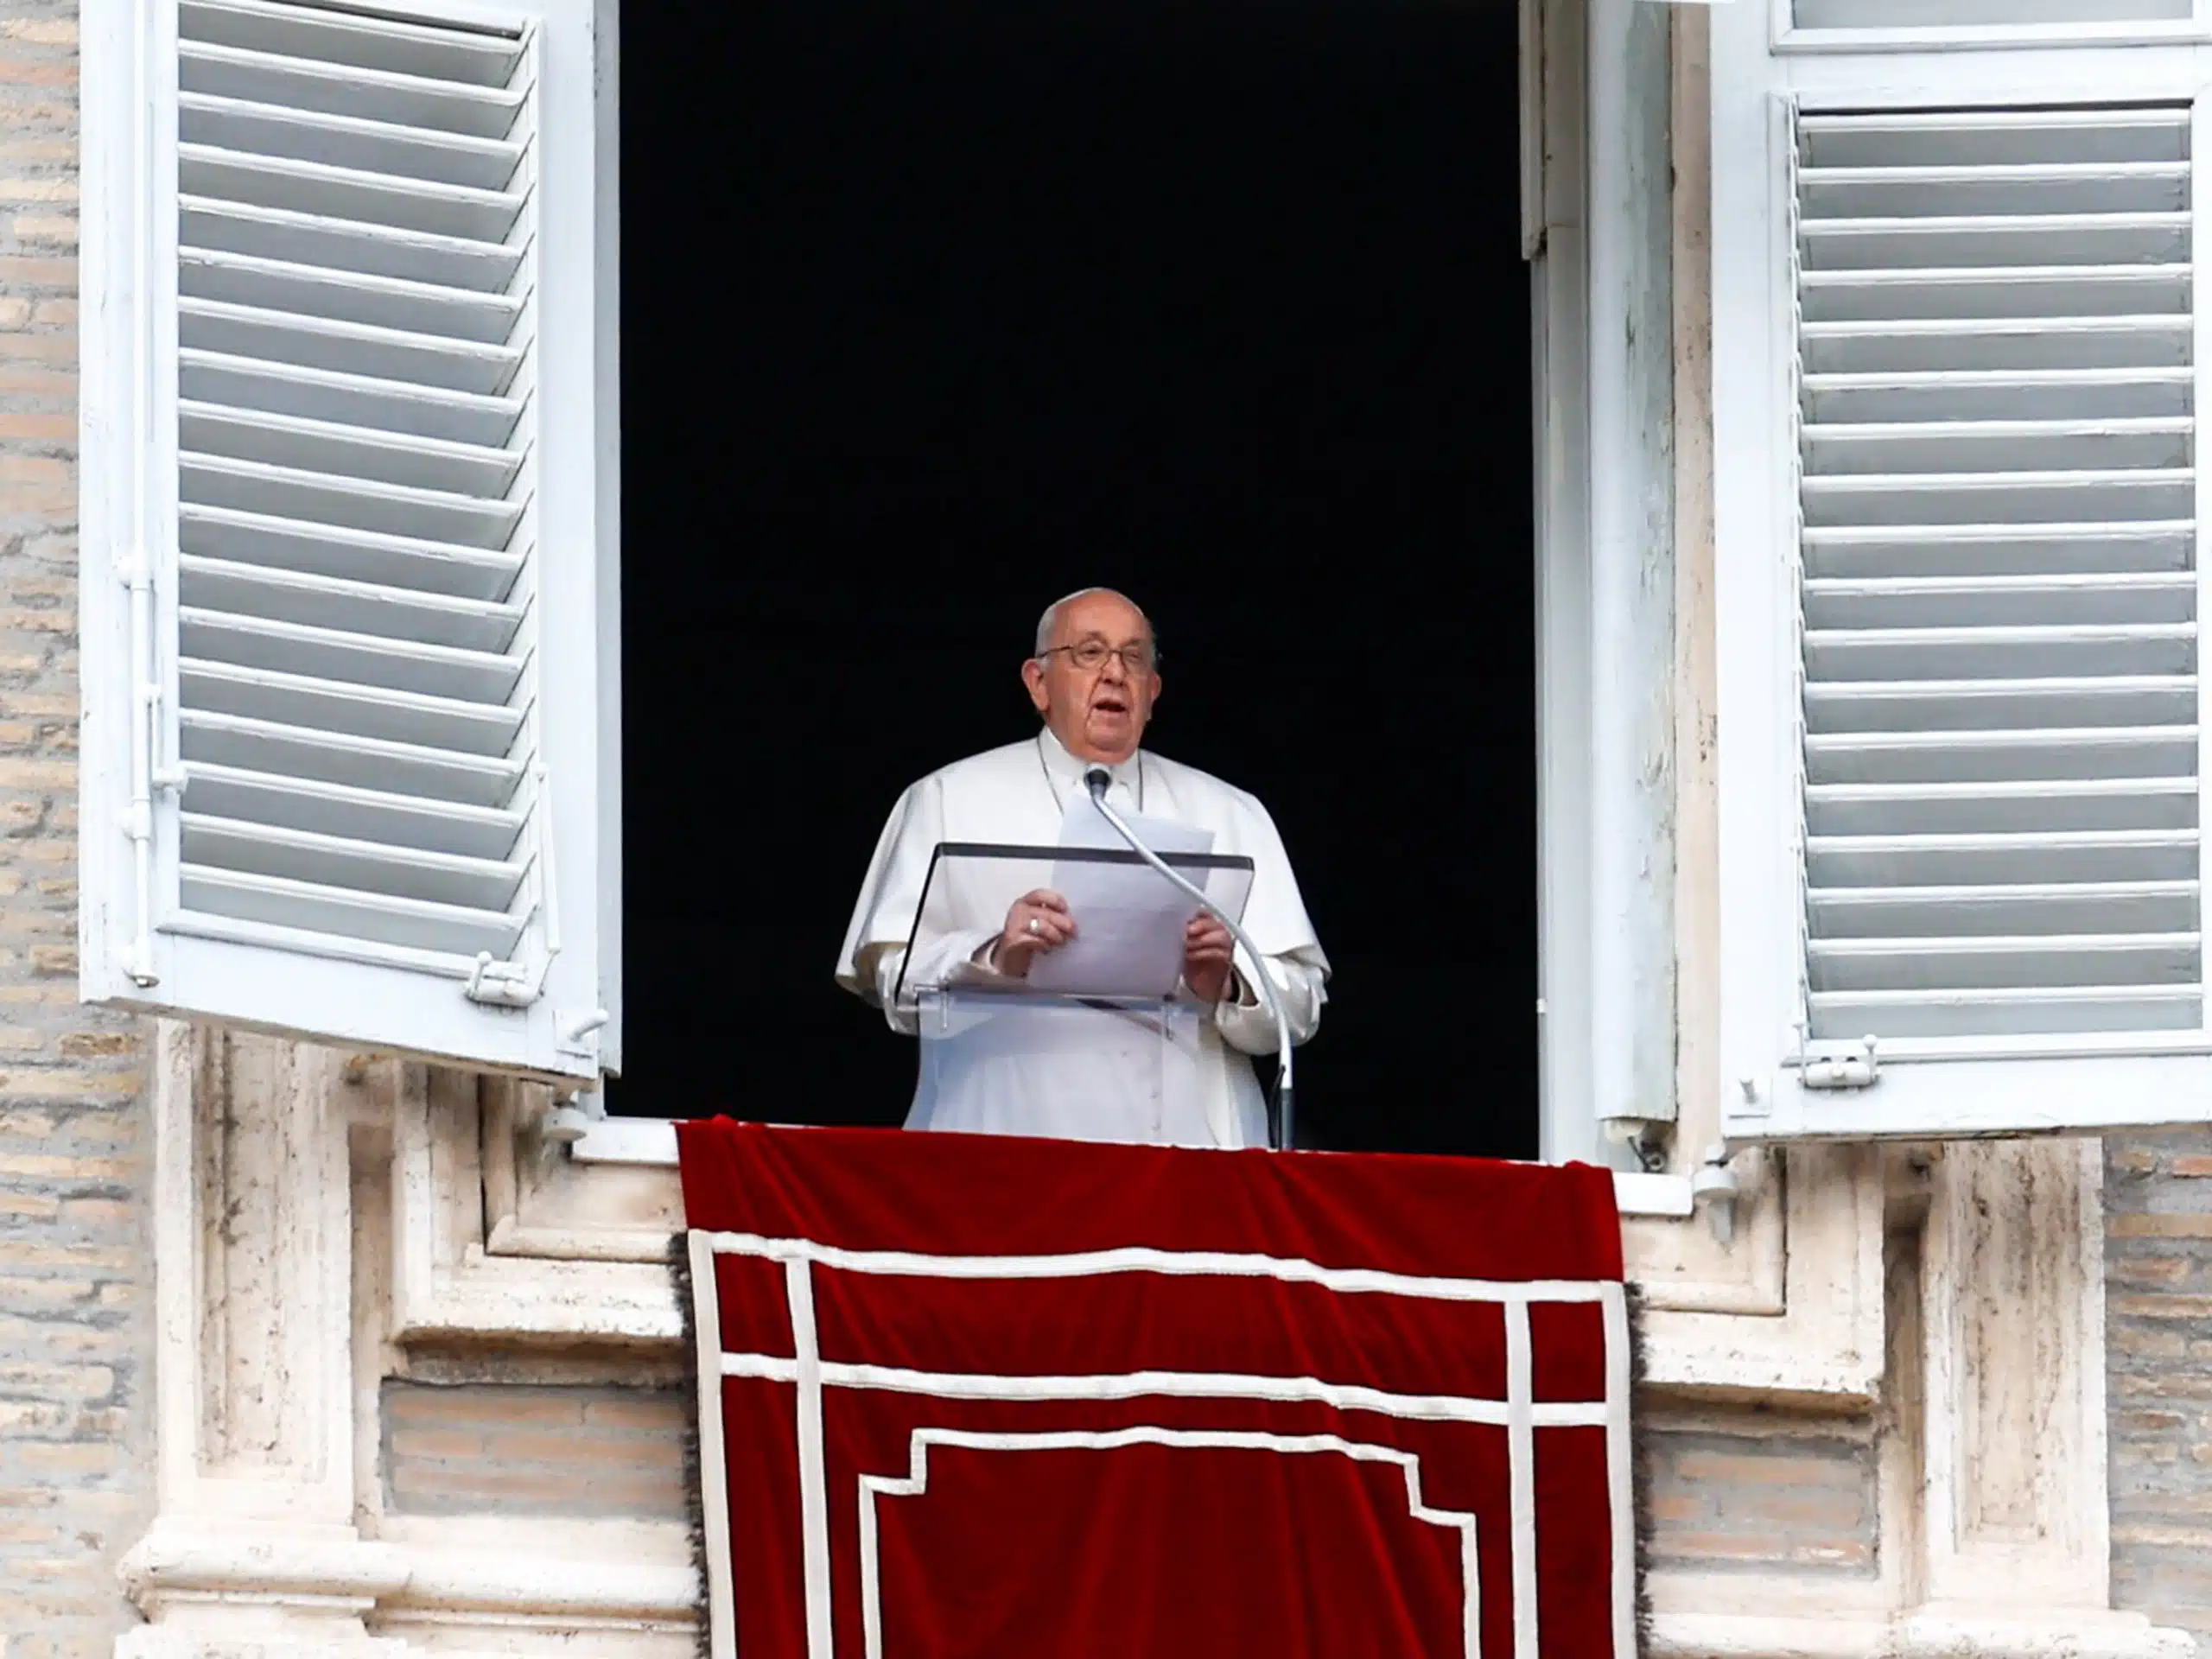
x: 1207, y: 950
x: 1039, y: 921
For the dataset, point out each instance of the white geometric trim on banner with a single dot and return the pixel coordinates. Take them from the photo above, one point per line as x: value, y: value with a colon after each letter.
x: 916, y: 1481
x: 1519, y: 1413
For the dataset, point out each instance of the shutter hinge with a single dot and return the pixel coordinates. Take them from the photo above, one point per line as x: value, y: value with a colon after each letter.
x: 148, y: 775
x: 1838, y: 1064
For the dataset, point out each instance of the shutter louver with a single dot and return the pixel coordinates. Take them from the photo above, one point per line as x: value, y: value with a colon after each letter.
x: 1984, y: 14
x: 355, y: 384
x: 1998, y: 589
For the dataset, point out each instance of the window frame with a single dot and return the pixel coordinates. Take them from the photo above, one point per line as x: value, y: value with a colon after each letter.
x: 1607, y: 787
x: 1574, y: 952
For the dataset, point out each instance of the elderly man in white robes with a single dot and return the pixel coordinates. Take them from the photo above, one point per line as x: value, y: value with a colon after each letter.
x: 1094, y: 677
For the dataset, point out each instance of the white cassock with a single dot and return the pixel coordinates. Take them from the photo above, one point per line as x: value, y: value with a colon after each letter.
x: 1019, y: 795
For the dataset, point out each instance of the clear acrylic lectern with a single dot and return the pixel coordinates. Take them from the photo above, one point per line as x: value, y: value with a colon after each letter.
x: 1115, y: 1057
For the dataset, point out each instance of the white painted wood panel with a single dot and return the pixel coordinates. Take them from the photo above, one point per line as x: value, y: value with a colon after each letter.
x: 1959, y: 592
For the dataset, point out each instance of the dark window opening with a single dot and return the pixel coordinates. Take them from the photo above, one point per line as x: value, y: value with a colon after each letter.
x: 932, y: 312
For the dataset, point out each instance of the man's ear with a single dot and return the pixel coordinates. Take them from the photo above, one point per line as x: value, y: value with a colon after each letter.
x: 1032, y: 676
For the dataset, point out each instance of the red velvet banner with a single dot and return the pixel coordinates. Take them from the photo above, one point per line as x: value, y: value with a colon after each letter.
x: 986, y: 1397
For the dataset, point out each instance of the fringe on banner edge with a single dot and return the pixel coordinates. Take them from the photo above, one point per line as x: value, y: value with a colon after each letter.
x: 695, y: 1488
x: 1640, y: 1463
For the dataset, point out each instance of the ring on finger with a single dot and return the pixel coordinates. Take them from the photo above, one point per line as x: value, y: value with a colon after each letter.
x: 1036, y: 927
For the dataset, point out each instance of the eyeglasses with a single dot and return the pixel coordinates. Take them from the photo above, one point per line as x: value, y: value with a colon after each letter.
x: 1091, y: 655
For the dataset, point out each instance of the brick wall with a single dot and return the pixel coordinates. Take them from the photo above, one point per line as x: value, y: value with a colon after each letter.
x: 2158, y: 1329
x: 518, y: 1449
x: 74, y: 1274
x: 1783, y: 1496
x: 1741, y: 1491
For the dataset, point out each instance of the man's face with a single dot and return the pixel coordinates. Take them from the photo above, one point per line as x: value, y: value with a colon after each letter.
x: 1097, y: 712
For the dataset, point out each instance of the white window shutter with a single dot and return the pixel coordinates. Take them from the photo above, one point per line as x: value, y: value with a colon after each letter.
x: 1958, y: 516
x: 341, y: 479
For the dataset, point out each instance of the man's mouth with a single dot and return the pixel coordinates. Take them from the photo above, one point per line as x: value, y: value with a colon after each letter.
x: 1109, y: 702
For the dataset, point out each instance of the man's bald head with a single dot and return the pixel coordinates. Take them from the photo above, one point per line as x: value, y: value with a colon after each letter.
x: 1048, y: 623
x: 1095, y: 674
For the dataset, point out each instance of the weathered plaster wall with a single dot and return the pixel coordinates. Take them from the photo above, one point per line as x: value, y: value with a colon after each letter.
x: 75, y: 1431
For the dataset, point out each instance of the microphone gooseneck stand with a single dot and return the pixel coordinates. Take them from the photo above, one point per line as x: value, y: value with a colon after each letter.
x: 1096, y: 780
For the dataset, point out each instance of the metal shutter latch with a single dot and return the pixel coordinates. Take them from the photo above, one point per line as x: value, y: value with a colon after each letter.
x: 1837, y: 1064
x: 516, y: 984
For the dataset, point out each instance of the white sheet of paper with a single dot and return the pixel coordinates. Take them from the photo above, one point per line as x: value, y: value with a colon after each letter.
x: 1129, y: 917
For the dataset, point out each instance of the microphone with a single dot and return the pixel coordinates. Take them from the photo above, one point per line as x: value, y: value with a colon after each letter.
x: 1096, y: 780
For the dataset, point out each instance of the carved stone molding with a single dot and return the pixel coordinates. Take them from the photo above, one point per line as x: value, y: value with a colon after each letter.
x: 266, y: 1540
x: 457, y: 1276
x: 632, y: 1596
x: 1993, y: 1520
x: 539, y: 1202
x: 255, y: 1538
x: 1927, y: 1634
x: 2012, y: 1294
x: 1805, y: 1321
